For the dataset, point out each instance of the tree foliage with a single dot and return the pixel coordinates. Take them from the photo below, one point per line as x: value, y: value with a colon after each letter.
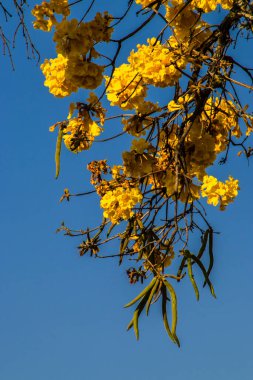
x: 153, y: 203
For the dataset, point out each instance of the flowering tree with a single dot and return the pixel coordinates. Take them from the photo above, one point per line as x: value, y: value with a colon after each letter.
x: 153, y: 202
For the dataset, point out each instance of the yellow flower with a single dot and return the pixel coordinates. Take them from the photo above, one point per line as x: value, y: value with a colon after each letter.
x: 57, y: 79
x: 45, y: 13
x: 118, y: 203
x: 64, y: 76
x: 218, y: 192
x: 125, y: 89
x: 139, y: 145
x: 73, y: 38
x: 79, y: 133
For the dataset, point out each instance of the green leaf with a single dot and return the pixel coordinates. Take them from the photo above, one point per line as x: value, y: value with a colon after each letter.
x: 151, y: 294
x: 179, y: 272
x: 137, y: 313
x: 210, y: 251
x: 58, y: 152
x: 201, y: 266
x: 172, y: 336
x: 142, y: 293
x: 110, y: 229
x: 203, y: 246
x: 173, y: 299
x: 191, y: 276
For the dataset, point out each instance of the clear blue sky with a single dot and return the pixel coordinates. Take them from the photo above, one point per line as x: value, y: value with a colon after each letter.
x: 62, y: 316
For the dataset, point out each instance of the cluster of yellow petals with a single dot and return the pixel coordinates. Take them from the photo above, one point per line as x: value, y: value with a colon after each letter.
x: 205, y: 5
x: 157, y: 63
x: 73, y: 68
x: 210, y: 5
x: 200, y: 150
x: 125, y: 89
x: 220, y: 117
x: 140, y: 145
x: 80, y: 133
x: 64, y: 76
x: 118, y: 203
x: 55, y: 71
x: 138, y: 124
x: 188, y: 27
x: 219, y: 193
x: 208, y: 135
x: 74, y: 38
x: 45, y: 13
x: 152, y: 64
x: 140, y: 161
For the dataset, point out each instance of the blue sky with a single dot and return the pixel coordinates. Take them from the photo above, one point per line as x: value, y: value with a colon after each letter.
x: 62, y: 316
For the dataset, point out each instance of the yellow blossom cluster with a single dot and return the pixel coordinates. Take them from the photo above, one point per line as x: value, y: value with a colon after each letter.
x: 209, y: 133
x: 140, y: 145
x: 188, y: 29
x: 45, y: 13
x: 206, y: 137
x: 138, y: 124
x: 97, y: 168
x: 80, y: 133
x: 118, y: 203
x: 203, y: 5
x: 55, y: 71
x: 74, y: 38
x: 218, y: 192
x: 157, y: 63
x: 73, y: 68
x: 100, y: 27
x: 125, y: 89
x: 220, y: 117
x: 211, y: 5
x: 182, y: 101
x: 64, y: 76
x: 200, y: 150
x: 140, y: 161
x: 152, y: 64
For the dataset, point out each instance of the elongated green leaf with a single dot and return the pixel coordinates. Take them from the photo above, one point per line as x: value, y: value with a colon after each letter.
x: 172, y: 336
x: 151, y: 295
x: 137, y: 313
x: 110, y: 230
x: 179, y: 272
x: 58, y: 152
x: 201, y: 266
x: 211, y: 257
x: 204, y: 243
x: 173, y: 299
x: 142, y: 293
x: 135, y: 323
x: 191, y: 276
x: 130, y: 324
